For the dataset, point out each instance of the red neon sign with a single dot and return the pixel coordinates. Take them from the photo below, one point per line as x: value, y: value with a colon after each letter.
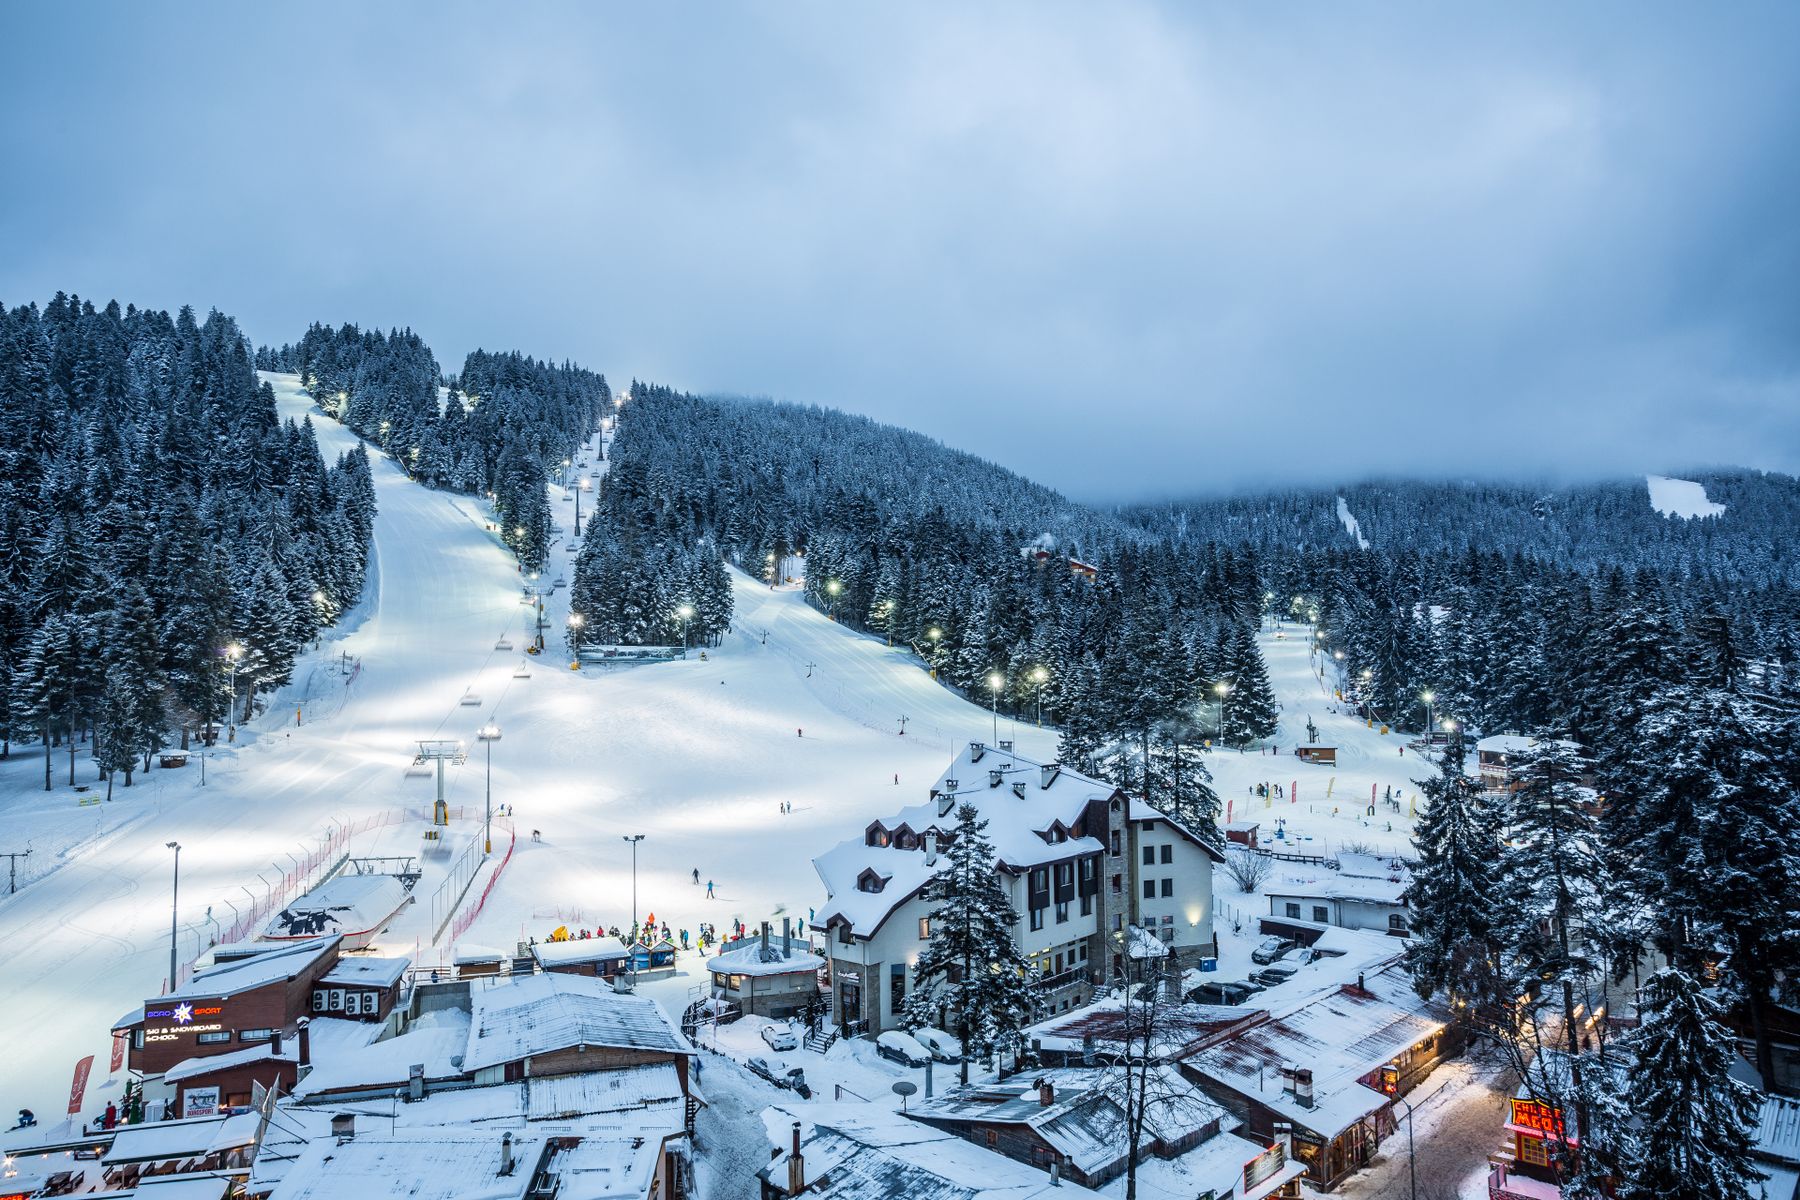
x: 1539, y: 1117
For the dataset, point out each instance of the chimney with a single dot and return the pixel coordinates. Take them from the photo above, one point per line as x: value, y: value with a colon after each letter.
x: 931, y: 847
x: 343, y: 1127
x: 1019, y: 789
x: 1303, y: 1093
x: 949, y: 787
x: 1087, y: 1049
x: 946, y: 802
x: 787, y: 937
x: 506, y: 1154
x: 1006, y: 745
x: 765, y: 941
x: 305, y: 1042
x: 796, y: 1165
x: 976, y: 750
x: 1359, y: 982
x: 275, y: 1044
x: 994, y: 778
x: 1284, y: 1137
x: 1046, y: 1093
x: 1047, y: 774
x: 1056, y: 1172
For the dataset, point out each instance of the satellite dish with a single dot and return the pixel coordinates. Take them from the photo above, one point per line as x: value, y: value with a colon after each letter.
x: 905, y: 1087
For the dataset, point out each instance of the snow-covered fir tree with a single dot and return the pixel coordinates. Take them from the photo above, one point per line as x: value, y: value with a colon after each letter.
x: 1455, y: 880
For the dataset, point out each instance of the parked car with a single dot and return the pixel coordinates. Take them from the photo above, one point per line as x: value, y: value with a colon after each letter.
x: 1270, y: 949
x: 939, y: 1044
x: 782, y: 1077
x: 1219, y: 993
x: 1270, y: 976
x: 779, y: 1037
x: 902, y: 1048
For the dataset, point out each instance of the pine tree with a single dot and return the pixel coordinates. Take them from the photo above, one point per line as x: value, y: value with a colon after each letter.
x: 1454, y: 885
x: 1695, y: 1125
x: 1250, y: 709
x: 971, y: 968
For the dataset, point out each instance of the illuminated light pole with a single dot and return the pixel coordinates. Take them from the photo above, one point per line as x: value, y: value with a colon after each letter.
x: 1221, y: 690
x: 833, y: 587
x: 1428, y: 697
x: 1039, y: 676
x: 772, y: 572
x: 995, y: 682
x: 174, y: 907
x: 686, y: 613
x: 634, y: 839
x: 489, y: 734
x: 935, y: 634
x: 575, y: 623
x: 234, y: 652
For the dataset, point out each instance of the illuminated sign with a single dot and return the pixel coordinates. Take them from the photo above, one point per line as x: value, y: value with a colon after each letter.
x: 1390, y: 1080
x: 1266, y: 1165
x: 1538, y: 1117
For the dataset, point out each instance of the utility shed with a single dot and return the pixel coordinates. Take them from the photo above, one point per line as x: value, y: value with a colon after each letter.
x: 767, y: 979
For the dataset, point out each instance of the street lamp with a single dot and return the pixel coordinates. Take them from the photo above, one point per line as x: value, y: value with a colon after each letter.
x: 1221, y: 690
x: 634, y: 839
x: 1038, y: 676
x: 995, y: 682
x: 174, y: 907
x: 489, y: 734
x: 686, y: 613
x: 1428, y: 697
x: 834, y: 587
x: 934, y: 633
x: 575, y: 624
x: 234, y: 652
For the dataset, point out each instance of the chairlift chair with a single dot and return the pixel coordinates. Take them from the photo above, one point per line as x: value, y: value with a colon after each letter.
x: 503, y: 644
x: 471, y: 700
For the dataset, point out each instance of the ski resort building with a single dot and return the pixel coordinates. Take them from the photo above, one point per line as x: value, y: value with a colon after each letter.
x: 761, y: 978
x: 1081, y: 861
x: 1365, y: 892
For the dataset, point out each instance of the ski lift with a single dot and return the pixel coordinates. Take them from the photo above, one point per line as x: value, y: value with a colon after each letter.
x: 503, y: 644
x: 471, y: 700
x: 523, y: 670
x: 559, y: 582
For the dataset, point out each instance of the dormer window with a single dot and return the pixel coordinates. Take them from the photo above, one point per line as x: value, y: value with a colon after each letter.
x: 875, y: 835
x: 870, y: 881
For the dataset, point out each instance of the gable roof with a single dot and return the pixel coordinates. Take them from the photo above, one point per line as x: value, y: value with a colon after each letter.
x: 277, y: 965
x: 515, y: 1018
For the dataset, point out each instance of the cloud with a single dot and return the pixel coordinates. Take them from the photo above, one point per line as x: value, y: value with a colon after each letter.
x: 1126, y: 250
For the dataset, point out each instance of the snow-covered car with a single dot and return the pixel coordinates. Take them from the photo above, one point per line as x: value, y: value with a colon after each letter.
x: 939, y: 1044
x: 1218, y: 993
x: 1270, y: 976
x: 902, y: 1048
x: 779, y: 1037
x: 1270, y: 949
x: 780, y: 1076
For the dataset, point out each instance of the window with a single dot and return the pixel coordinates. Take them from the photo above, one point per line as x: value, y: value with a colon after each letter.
x: 1168, y: 888
x: 1062, y: 912
x: 1118, y: 884
x: 1118, y: 922
x: 924, y: 928
x: 993, y: 1138
x: 1321, y: 915
x: 1037, y: 918
x: 1535, y: 1151
x: 1293, y: 909
x: 1168, y: 854
x: 844, y: 935
x: 209, y: 1039
x: 1087, y: 904
x: 896, y: 986
x: 255, y: 1035
x: 1147, y: 826
x: 1397, y: 922
x: 1149, y: 889
x: 1115, y: 842
x: 1149, y: 856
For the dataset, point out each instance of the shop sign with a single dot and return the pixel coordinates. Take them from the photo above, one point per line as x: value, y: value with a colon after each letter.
x: 1266, y: 1165
x: 1538, y: 1117
x: 200, y: 1102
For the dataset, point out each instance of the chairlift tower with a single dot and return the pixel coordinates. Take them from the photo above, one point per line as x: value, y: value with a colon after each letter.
x: 441, y: 751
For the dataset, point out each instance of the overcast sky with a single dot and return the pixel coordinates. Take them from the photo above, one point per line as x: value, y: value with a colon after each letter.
x: 1127, y: 250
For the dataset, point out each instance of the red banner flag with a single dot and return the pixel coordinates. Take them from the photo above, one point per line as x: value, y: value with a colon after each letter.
x: 118, y: 1054
x: 78, y: 1088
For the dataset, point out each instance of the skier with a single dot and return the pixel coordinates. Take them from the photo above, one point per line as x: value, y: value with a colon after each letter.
x: 27, y: 1119
x: 896, y: 781
x: 799, y: 733
x: 709, y: 889
x: 696, y: 876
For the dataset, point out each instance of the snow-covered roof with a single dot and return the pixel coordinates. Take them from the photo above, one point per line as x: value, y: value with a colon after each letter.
x: 1084, y: 1120
x: 752, y: 958
x: 346, y: 904
x: 1340, y: 1034
x: 468, y: 952
x: 160, y: 1140
x: 1331, y: 885
x: 1778, y: 1129
x: 1215, y: 1165
x: 864, y: 1151
x: 280, y: 964
x: 1503, y: 743
x: 1144, y: 944
x: 434, y: 1164
x: 903, y: 873
x: 652, y: 1091
x: 435, y: 1040
x: 190, y: 1068
x: 515, y: 1018
x: 578, y: 950
x: 1111, y: 1020
x: 368, y: 972
x: 206, y: 1186
x: 607, y: 1168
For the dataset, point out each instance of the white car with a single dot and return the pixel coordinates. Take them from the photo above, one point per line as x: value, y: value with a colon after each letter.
x: 902, y: 1048
x: 941, y: 1045
x: 779, y: 1037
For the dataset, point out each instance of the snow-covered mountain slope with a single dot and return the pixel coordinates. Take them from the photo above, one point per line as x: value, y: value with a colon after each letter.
x: 1680, y: 497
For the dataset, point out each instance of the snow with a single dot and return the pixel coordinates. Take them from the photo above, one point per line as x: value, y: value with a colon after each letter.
x: 515, y: 1018
x: 206, y: 1064
x: 751, y: 959
x: 346, y: 904
x: 243, y: 974
x: 1351, y: 526
x: 367, y: 972
x: 1680, y: 498
x: 444, y: 1164
x: 579, y: 950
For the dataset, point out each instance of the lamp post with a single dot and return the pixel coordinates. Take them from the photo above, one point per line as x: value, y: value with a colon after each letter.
x: 581, y: 485
x: 174, y: 907
x: 1428, y: 697
x: 490, y: 733
x: 575, y: 623
x: 995, y: 682
x: 634, y: 839
x: 1039, y: 676
x: 686, y: 613
x: 833, y: 587
x: 234, y: 652
x: 1221, y: 690
x: 934, y: 633
x: 1412, y: 1162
